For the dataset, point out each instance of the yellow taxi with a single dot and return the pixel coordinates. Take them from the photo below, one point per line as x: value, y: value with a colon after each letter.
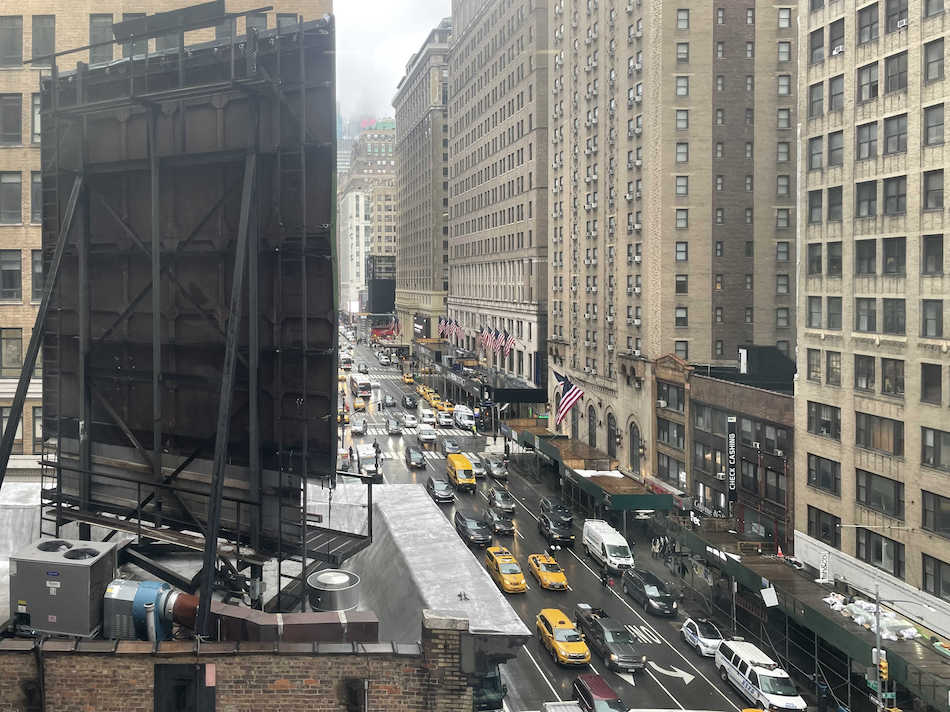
x: 434, y: 399
x: 359, y: 404
x: 422, y: 389
x: 445, y: 406
x: 504, y: 568
x: 547, y: 572
x: 342, y: 416
x: 561, y: 638
x: 407, y: 379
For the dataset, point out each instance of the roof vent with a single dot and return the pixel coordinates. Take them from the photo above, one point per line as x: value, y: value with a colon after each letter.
x: 334, y: 590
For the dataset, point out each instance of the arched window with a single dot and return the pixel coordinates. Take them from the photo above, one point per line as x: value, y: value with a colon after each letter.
x: 592, y: 426
x: 611, y: 435
x: 575, y: 423
x: 633, y: 445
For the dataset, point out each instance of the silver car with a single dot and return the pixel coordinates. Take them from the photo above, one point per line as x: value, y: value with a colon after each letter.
x: 358, y: 426
x: 478, y: 467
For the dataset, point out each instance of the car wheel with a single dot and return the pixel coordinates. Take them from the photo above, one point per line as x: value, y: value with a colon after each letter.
x: 606, y: 660
x: 626, y: 590
x: 683, y: 636
x: 644, y: 605
x: 723, y: 675
x: 553, y: 654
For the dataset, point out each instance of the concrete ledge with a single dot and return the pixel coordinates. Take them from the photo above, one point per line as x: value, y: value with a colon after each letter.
x: 435, y: 620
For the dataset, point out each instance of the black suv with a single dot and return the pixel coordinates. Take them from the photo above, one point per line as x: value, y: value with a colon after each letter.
x: 501, y: 522
x: 501, y: 499
x: 473, y: 531
x: 555, y: 530
x: 609, y: 639
x: 647, y: 590
x: 415, y: 458
x: 556, y: 510
x: 409, y: 402
x: 440, y: 490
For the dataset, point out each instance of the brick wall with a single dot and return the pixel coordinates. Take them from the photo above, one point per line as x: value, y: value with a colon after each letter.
x: 293, y: 677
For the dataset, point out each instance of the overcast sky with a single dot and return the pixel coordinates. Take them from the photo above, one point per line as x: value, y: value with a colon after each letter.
x: 374, y: 40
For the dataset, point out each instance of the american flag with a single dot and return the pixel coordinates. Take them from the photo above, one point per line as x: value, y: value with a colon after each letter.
x: 441, y: 326
x: 509, y: 344
x: 459, y: 331
x: 488, y: 339
x: 480, y: 339
x: 570, y: 394
x: 497, y: 341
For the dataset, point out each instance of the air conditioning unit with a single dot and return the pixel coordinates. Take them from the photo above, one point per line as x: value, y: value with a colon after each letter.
x: 637, y: 226
x: 627, y: 196
x: 638, y: 259
x: 586, y: 369
x: 587, y: 179
x: 636, y: 321
x: 629, y: 290
x: 587, y: 315
x: 629, y: 320
x: 636, y: 290
x: 610, y: 320
x: 638, y: 98
x: 638, y: 66
x: 780, y: 453
x: 638, y: 131
x: 610, y: 347
x: 756, y: 444
x: 593, y: 290
x: 574, y: 288
x: 838, y: 49
x: 721, y: 476
x: 661, y: 403
x: 629, y: 164
x: 630, y: 103
x: 638, y: 34
x: 630, y: 71
x: 638, y: 195
x: 901, y: 24
x: 629, y: 8
x: 636, y: 353
x: 638, y: 163
x: 588, y: 290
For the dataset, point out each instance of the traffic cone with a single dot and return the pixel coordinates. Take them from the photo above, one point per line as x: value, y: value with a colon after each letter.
x: 780, y: 554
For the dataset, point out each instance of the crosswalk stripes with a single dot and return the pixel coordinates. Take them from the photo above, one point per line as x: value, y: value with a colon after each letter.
x: 454, y: 432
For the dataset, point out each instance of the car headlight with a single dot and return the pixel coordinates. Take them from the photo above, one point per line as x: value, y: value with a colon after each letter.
x: 643, y: 659
x: 613, y: 656
x: 674, y: 605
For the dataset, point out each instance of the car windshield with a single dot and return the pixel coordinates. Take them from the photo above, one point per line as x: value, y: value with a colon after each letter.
x: 502, y: 516
x: 619, y: 550
x: 652, y: 591
x: 621, y: 635
x: 560, y: 526
x: 509, y: 568
x: 478, y: 525
x: 708, y: 630
x: 441, y: 486
x: 567, y: 635
x: 553, y: 568
x: 609, y: 706
x: 773, y: 685
x: 465, y: 473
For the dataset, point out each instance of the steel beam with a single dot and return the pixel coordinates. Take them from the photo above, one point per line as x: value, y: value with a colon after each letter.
x: 130, y: 555
x: 156, y: 225
x: 36, y: 337
x: 253, y: 348
x: 85, y: 399
x: 224, y: 401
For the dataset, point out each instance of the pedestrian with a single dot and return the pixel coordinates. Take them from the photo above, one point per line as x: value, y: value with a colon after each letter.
x: 351, y: 453
x: 604, y: 577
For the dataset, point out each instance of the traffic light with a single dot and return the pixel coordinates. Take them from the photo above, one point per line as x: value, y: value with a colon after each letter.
x: 882, y: 668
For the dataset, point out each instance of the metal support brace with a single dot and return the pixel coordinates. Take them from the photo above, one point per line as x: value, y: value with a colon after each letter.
x: 224, y: 401
x: 36, y: 338
x: 156, y: 225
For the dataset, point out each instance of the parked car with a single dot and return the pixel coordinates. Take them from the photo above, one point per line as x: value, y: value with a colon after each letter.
x: 475, y: 532
x: 444, y: 420
x: 501, y: 522
x: 415, y: 458
x: 495, y: 466
x: 646, y: 589
x: 501, y: 499
x: 702, y: 635
x: 409, y: 420
x: 555, y: 531
x: 450, y: 447
x: 440, y: 490
x: 409, y: 402
x: 358, y: 427
x: 608, y: 638
x: 593, y: 694
x: 556, y: 509
x: 393, y: 427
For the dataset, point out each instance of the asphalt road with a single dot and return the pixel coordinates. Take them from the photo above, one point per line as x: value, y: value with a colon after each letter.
x: 676, y: 678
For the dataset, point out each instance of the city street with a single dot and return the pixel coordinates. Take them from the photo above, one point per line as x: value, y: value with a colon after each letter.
x: 675, y: 676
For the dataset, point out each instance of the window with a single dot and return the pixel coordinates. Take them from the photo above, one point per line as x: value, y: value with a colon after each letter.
x: 11, y: 358
x: 865, y: 257
x: 720, y: 50
x: 781, y: 283
x: 824, y: 420
x: 720, y: 182
x: 782, y: 151
x: 784, y: 51
x: 748, y: 476
x: 895, y: 72
x: 867, y: 82
x: 100, y: 30
x: 784, y: 118
x: 785, y: 85
x: 748, y: 315
x: 781, y: 185
x: 816, y: 99
x: 867, y: 24
x: 11, y: 40
x: 11, y: 119
x: 286, y: 19
x: 681, y: 316
x: 781, y: 251
x: 682, y: 122
x: 682, y: 86
x: 682, y: 52
x: 682, y: 19
x: 682, y: 284
x: 836, y: 93
x: 877, y: 433
x: 833, y: 368
x: 816, y: 46
x: 895, y: 250
x: 749, y: 248
x: 931, y: 259
x: 936, y: 574
x: 813, y: 358
x: 814, y: 313
x: 682, y: 185
x: 824, y: 527
x: 880, y: 494
x: 866, y: 198
x: 892, y: 377
x: 681, y: 349
x: 37, y: 429
x: 37, y: 278
x: 814, y: 152
x: 894, y: 320
x: 935, y: 448
x: 816, y: 4
x: 834, y: 206
x: 782, y: 217
x: 933, y: 190
x: 682, y: 218
x: 834, y: 313
x: 824, y: 474
x: 933, y: 125
x: 256, y: 21
x: 749, y: 50
x: 781, y: 317
x: 881, y: 552
x: 37, y: 117
x: 720, y: 82
x: 834, y: 259
x: 181, y: 687
x: 750, y: 16
x: 931, y: 383
x: 682, y: 152
x: 10, y: 277
x: 670, y: 433
x: 895, y: 195
x: 814, y: 258
x: 748, y: 282
x: 44, y: 39
x: 720, y: 216
x: 933, y: 7
x: 895, y: 134
x: 895, y: 12
x: 133, y: 48
x: 933, y: 61
x: 931, y: 314
x: 865, y: 315
x: 814, y: 206
x: 748, y: 184
x: 748, y: 216
x: 775, y: 485
x: 866, y: 137
x: 10, y: 199
x: 784, y: 17
x: 36, y: 197
x: 864, y: 372
x: 682, y: 251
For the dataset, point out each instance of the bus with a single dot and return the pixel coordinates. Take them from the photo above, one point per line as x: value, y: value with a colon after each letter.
x: 360, y: 386
x: 346, y: 362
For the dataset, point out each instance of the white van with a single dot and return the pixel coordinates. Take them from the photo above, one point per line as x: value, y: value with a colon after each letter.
x: 606, y: 545
x: 464, y: 417
x: 757, y: 676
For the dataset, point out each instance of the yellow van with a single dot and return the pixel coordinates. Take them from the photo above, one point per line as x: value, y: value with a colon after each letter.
x: 459, y: 470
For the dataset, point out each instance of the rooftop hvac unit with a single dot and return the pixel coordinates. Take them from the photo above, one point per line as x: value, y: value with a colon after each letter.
x: 756, y: 444
x: 661, y: 403
x: 56, y: 586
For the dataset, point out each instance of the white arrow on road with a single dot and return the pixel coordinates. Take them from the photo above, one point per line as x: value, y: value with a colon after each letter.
x: 673, y: 672
x: 627, y: 677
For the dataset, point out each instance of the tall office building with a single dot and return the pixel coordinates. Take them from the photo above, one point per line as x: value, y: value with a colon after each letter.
x: 498, y: 202
x: 873, y: 434
x: 422, y: 182
x: 673, y: 167
x: 30, y: 29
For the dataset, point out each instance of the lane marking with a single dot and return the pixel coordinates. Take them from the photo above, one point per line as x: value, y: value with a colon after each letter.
x: 662, y: 687
x: 541, y: 672
x: 673, y: 671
